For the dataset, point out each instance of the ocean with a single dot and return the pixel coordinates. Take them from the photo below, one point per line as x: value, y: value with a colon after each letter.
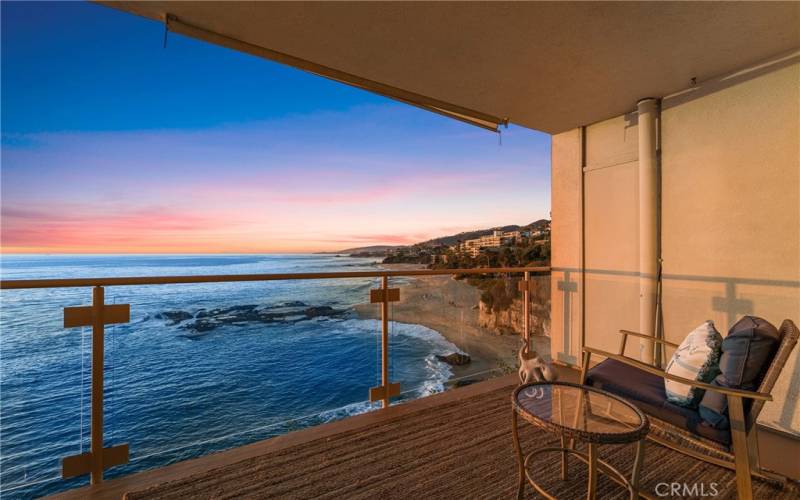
x: 228, y: 364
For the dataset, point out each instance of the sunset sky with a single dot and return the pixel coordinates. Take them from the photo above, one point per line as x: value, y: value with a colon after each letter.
x: 113, y: 144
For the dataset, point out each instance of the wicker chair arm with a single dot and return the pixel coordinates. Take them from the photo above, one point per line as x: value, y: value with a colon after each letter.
x: 661, y: 373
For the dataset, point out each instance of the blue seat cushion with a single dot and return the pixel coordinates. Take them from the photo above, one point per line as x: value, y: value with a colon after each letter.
x: 646, y: 391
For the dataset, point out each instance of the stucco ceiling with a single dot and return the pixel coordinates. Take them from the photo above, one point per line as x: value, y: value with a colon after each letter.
x: 547, y: 66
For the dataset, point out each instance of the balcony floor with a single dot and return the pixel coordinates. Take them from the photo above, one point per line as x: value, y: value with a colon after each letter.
x: 452, y: 445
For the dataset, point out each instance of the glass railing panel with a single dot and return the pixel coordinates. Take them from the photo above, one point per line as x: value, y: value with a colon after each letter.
x: 222, y: 365
x: 435, y: 340
x: 452, y: 331
x: 540, y: 314
x: 501, y: 313
x: 492, y: 327
x: 419, y: 331
x: 44, y: 391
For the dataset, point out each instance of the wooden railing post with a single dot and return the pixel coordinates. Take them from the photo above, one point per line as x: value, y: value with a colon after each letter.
x: 97, y: 316
x: 385, y: 339
x: 526, y: 311
x: 525, y: 287
x: 387, y: 389
x: 98, y: 361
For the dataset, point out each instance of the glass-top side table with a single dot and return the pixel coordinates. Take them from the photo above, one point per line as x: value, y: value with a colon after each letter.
x: 578, y: 412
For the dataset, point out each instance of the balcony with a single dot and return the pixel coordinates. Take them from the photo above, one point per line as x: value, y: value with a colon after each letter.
x: 675, y: 195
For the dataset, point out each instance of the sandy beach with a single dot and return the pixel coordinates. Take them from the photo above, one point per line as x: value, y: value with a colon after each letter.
x: 450, y: 307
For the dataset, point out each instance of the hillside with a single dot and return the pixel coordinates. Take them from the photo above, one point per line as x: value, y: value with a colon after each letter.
x: 469, y: 235
x: 376, y: 250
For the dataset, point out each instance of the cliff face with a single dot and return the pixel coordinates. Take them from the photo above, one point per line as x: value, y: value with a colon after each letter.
x: 510, y: 320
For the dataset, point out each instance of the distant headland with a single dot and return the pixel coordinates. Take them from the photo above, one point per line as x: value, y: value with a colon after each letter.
x: 505, y: 246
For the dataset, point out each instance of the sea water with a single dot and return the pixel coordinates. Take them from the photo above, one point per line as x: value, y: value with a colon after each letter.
x: 173, y: 392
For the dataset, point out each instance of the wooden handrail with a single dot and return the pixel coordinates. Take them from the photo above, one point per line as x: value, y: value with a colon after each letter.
x: 226, y: 278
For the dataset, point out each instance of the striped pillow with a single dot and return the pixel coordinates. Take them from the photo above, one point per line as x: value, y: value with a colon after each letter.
x: 697, y: 358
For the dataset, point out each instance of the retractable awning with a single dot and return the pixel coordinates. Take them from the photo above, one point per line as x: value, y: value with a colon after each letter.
x: 461, y: 113
x: 550, y: 66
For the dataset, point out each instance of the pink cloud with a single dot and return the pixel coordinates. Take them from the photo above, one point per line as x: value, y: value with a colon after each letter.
x: 83, y: 227
x: 89, y: 229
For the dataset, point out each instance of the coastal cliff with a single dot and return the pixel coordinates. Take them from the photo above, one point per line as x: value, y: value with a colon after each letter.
x: 506, y: 317
x: 450, y: 307
x: 510, y: 320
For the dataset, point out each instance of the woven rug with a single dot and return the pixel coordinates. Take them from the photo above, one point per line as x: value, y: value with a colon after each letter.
x: 458, y: 450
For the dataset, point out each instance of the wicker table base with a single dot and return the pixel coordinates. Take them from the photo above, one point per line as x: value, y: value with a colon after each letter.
x: 595, y: 465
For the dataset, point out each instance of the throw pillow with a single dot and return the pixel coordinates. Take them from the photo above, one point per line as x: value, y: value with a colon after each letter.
x: 697, y: 358
x: 747, y: 352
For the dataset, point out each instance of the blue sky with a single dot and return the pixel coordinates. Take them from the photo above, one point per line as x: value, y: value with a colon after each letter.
x: 200, y: 148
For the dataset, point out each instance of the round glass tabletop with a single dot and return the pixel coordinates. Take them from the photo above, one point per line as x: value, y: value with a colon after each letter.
x: 580, y: 411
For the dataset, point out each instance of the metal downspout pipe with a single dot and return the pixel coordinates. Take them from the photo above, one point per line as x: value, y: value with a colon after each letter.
x: 648, y: 111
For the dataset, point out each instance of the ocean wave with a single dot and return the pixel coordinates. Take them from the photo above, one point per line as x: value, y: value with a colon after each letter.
x: 406, y: 330
x: 423, y: 333
x: 437, y: 373
x: 440, y: 373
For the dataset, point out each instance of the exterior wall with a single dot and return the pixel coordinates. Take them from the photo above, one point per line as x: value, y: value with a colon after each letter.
x: 730, y: 216
x: 731, y: 213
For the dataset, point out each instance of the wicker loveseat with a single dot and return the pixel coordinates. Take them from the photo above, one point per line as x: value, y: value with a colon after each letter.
x: 682, y: 429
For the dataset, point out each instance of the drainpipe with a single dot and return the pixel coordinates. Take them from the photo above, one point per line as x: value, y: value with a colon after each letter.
x: 648, y: 110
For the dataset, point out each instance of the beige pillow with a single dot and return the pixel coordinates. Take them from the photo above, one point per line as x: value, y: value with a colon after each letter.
x: 697, y: 358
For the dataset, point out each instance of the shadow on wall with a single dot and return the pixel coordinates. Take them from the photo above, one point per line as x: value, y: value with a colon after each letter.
x: 715, y: 84
x: 567, y: 288
x: 729, y: 303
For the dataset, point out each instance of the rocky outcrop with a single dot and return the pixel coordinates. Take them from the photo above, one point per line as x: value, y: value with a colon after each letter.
x: 313, y: 312
x: 510, y: 321
x: 174, y: 317
x: 205, y: 320
x: 455, y: 359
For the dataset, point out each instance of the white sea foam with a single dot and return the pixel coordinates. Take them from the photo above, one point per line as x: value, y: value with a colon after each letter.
x: 348, y: 411
x: 437, y: 373
x: 406, y: 330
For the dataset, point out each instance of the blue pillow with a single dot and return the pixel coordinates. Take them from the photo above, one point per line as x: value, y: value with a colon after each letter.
x: 747, y: 352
